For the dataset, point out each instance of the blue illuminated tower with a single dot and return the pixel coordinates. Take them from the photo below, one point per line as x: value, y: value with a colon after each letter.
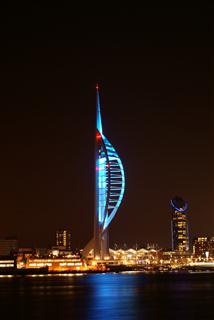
x: 109, y: 189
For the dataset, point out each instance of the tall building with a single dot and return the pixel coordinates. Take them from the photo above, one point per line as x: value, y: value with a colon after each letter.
x: 109, y: 189
x: 179, y: 226
x: 63, y: 239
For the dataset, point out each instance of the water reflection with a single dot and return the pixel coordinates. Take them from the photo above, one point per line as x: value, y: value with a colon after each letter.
x: 108, y: 296
x: 112, y: 297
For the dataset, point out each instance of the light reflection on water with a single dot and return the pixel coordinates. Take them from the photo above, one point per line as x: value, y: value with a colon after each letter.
x: 108, y: 296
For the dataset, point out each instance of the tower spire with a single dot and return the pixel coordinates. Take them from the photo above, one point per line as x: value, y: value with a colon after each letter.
x: 109, y: 189
x: 99, y: 121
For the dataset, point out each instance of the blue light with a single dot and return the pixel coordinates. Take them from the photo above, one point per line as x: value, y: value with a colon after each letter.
x: 112, y: 188
x: 109, y: 189
x: 179, y: 209
x: 101, y: 165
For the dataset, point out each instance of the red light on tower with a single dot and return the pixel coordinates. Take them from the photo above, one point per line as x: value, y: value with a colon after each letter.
x: 98, y: 136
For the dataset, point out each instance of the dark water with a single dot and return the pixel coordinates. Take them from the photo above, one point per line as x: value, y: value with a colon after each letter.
x: 108, y: 296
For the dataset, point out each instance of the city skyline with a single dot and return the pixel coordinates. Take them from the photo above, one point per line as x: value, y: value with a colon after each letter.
x: 157, y: 108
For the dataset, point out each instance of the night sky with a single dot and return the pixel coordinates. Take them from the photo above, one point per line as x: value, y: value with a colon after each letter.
x: 155, y: 70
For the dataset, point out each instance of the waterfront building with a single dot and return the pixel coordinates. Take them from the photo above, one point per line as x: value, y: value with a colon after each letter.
x: 8, y: 245
x: 173, y: 258
x: 203, y: 247
x: 41, y: 252
x: 135, y: 256
x: 55, y: 264
x: 56, y: 251
x: 109, y: 189
x: 200, y: 247
x: 63, y: 239
x: 22, y: 255
x: 6, y: 265
x: 179, y: 226
x: 211, y: 247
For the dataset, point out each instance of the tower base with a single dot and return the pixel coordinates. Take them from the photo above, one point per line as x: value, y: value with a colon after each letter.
x: 100, y: 247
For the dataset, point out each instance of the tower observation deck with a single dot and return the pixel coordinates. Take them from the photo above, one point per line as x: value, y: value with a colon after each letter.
x: 109, y: 189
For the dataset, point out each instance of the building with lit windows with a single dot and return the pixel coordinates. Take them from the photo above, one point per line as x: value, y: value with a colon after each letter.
x: 203, y: 247
x: 7, y: 265
x: 109, y: 190
x: 57, y: 264
x: 211, y: 247
x: 200, y: 247
x: 179, y: 226
x: 63, y: 239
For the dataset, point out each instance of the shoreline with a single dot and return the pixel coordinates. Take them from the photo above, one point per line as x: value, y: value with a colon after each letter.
x: 112, y: 269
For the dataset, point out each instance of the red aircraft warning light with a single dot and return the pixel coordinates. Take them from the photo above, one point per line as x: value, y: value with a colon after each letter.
x: 98, y: 136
